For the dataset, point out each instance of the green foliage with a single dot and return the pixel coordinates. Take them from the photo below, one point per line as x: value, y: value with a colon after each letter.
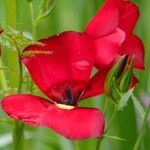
x: 11, y: 37
x: 46, y: 7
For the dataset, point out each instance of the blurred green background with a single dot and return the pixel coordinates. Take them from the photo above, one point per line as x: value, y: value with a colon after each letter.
x: 74, y: 15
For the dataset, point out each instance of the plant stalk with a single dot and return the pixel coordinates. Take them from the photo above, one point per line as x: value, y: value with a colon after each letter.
x: 142, y: 131
x: 18, y: 128
x: 99, y: 141
x: 3, y: 81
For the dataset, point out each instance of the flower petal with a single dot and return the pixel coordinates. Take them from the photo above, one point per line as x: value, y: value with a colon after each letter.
x: 68, y: 62
x: 127, y: 12
x: 134, y: 81
x: 105, y: 21
x: 76, y: 123
x: 95, y: 86
x: 134, y: 47
x: 107, y: 48
x: 97, y: 82
x: 25, y: 107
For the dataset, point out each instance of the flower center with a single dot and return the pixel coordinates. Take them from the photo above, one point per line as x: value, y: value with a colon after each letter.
x: 69, y: 99
x: 63, y: 106
x: 67, y: 93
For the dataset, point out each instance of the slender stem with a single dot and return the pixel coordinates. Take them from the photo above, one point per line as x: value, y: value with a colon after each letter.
x: 32, y: 20
x: 18, y: 129
x: 98, y: 145
x: 76, y: 145
x: 111, y: 120
x: 18, y: 136
x: 105, y: 105
x: 3, y: 81
x: 142, y: 131
x: 99, y: 141
x: 34, y: 37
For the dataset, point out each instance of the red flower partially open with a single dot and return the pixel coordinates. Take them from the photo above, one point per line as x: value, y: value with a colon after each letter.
x: 111, y: 29
x: 61, y: 68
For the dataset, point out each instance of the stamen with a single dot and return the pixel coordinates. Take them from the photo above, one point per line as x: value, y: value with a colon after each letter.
x: 69, y: 96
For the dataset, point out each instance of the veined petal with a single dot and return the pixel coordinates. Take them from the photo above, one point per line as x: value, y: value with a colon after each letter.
x: 75, y: 123
x: 67, y: 61
x: 105, y: 21
x: 107, y: 47
x: 134, y: 47
x: 95, y: 86
x: 134, y: 81
x: 25, y: 107
x: 72, y: 122
x: 129, y: 14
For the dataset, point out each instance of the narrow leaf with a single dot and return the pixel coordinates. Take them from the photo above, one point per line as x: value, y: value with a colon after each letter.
x: 142, y: 131
x: 46, y: 8
x: 114, y: 138
x: 138, y: 106
x: 124, y: 99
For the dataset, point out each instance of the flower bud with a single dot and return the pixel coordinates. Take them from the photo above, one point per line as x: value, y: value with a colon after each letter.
x: 127, y: 78
x: 115, y: 73
x: 119, y: 79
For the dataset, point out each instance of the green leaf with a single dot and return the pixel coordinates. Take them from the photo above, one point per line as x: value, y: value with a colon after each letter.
x: 124, y: 99
x: 142, y: 130
x: 11, y: 37
x: 114, y: 138
x: 46, y: 8
x: 138, y: 106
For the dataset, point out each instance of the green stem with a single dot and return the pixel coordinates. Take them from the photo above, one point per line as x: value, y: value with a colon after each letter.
x: 3, y: 81
x: 18, y: 129
x: 99, y: 141
x: 34, y: 37
x: 142, y: 131
x: 18, y: 136
x: 76, y: 145
x: 98, y: 145
x: 32, y: 20
x: 111, y: 119
x: 105, y: 105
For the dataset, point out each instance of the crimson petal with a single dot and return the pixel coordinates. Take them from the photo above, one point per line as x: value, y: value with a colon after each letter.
x: 107, y: 48
x: 25, y: 107
x: 72, y: 122
x: 128, y: 12
x: 105, y: 21
x: 76, y: 123
x: 134, y: 47
x: 67, y: 62
x: 95, y: 85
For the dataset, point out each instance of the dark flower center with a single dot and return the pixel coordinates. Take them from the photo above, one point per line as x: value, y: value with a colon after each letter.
x: 67, y: 93
x: 69, y: 96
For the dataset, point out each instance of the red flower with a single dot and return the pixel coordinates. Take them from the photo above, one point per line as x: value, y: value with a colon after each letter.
x: 62, y: 71
x: 111, y: 29
x: 61, y: 67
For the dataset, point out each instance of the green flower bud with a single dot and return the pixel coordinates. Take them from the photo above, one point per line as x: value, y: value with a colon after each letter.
x: 115, y: 73
x: 127, y: 78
